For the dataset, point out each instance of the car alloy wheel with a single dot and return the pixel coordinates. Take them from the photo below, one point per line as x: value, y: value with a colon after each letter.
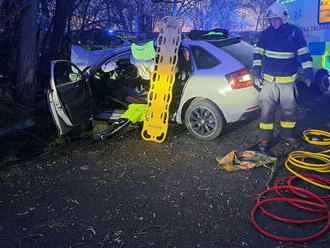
x: 204, y: 119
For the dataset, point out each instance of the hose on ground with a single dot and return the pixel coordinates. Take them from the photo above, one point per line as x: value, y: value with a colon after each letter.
x: 311, y: 161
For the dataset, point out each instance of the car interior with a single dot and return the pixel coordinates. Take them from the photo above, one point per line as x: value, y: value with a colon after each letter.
x: 117, y: 83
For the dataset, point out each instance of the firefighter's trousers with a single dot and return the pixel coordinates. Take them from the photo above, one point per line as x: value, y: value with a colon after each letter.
x: 271, y: 95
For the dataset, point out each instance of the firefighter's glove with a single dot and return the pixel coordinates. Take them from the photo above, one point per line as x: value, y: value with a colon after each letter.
x: 308, y: 82
x: 258, y: 83
x: 308, y: 77
x: 257, y: 79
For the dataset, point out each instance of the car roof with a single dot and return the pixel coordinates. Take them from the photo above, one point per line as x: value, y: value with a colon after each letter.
x: 217, y: 43
x: 112, y: 54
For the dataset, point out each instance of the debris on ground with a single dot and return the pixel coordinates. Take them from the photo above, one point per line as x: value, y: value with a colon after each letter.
x: 244, y: 160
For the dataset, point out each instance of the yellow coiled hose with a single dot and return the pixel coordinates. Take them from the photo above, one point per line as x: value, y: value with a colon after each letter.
x: 298, y: 158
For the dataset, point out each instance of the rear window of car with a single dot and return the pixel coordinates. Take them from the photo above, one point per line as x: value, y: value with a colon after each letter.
x: 241, y: 51
x: 203, y: 59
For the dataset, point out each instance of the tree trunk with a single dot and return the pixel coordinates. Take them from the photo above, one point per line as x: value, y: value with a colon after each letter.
x: 43, y: 23
x: 52, y: 43
x: 63, y: 12
x: 27, y: 56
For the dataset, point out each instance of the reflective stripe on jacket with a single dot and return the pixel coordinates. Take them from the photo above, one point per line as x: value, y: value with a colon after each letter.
x: 279, y: 53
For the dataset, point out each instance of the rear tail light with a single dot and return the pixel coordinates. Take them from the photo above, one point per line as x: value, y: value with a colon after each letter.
x: 239, y: 79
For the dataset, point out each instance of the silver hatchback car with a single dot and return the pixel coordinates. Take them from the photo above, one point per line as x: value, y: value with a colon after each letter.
x: 213, y: 87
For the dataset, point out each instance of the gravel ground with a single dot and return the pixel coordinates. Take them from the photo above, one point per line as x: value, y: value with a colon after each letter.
x: 126, y: 192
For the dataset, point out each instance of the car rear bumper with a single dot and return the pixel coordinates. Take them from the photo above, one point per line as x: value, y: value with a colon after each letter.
x: 254, y: 114
x: 239, y: 103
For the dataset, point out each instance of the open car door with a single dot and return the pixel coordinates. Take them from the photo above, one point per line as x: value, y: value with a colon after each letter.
x: 70, y: 97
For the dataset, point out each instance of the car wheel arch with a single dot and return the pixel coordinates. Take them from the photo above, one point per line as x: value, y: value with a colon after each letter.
x: 188, y: 102
x: 186, y: 106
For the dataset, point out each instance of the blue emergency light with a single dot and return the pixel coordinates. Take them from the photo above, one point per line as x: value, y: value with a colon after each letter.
x: 110, y: 31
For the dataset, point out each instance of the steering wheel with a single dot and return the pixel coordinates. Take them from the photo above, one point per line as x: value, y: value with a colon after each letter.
x: 126, y: 71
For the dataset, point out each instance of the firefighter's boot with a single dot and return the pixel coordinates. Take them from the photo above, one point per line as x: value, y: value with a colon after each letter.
x: 263, y: 145
x: 292, y: 142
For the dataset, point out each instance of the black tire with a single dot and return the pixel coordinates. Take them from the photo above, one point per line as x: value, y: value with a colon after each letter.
x: 204, y: 119
x: 322, y: 81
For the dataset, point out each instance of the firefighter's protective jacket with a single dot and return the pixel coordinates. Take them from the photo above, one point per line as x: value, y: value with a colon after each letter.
x: 279, y: 52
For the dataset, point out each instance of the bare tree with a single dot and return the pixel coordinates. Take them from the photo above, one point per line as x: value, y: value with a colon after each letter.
x: 214, y: 13
x: 259, y: 8
x: 27, y: 56
x: 10, y: 13
x: 63, y: 13
x: 178, y: 7
x: 45, y: 27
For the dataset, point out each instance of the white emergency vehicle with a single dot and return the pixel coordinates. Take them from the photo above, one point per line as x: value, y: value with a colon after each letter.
x: 313, y: 17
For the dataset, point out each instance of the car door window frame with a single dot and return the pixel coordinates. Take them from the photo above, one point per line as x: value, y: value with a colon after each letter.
x: 70, y: 81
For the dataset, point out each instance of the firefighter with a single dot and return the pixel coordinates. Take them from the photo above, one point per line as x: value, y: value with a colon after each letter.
x: 280, y: 49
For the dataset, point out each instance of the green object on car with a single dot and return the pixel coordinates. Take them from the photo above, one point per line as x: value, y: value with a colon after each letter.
x: 144, y: 52
x: 135, y: 112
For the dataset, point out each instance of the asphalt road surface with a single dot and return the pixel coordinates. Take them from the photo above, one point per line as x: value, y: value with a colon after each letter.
x: 126, y: 192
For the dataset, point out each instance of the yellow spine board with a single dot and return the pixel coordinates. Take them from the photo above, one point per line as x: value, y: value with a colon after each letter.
x: 156, y: 117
